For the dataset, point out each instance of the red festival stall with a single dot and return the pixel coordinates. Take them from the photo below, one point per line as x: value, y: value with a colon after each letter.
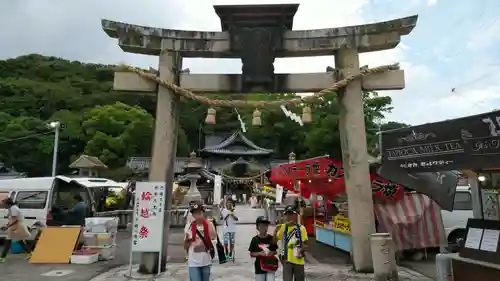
x: 325, y: 177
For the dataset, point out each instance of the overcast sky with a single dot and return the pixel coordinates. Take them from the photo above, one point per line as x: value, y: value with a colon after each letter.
x: 454, y: 46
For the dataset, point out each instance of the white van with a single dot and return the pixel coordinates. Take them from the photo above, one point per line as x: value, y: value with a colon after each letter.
x: 455, y: 222
x: 37, y: 196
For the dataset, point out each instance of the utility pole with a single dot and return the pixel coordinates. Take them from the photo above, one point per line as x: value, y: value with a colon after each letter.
x: 56, y: 125
x: 379, y: 133
x: 291, y: 159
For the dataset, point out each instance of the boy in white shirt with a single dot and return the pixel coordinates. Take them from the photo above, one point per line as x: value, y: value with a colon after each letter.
x: 229, y: 220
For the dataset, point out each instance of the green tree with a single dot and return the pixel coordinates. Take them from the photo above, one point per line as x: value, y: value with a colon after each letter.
x: 25, y: 143
x: 391, y: 125
x: 35, y: 90
x: 115, y: 132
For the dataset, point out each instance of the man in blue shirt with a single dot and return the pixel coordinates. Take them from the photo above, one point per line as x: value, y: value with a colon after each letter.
x: 78, y: 213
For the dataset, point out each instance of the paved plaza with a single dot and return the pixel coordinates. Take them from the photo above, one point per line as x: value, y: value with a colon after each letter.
x: 242, y: 269
x: 324, y: 263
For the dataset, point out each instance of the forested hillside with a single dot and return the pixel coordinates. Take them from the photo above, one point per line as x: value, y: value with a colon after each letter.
x: 113, y: 126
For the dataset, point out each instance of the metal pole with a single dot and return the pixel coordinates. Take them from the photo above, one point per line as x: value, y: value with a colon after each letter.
x: 199, y: 139
x: 443, y: 268
x: 379, y: 133
x: 476, y: 196
x: 291, y: 159
x: 56, y: 149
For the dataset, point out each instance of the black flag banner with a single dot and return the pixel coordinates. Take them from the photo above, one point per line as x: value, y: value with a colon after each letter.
x: 471, y: 142
x: 439, y: 186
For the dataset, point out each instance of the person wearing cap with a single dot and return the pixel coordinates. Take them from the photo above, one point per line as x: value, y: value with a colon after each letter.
x: 229, y: 220
x: 198, y: 242
x: 294, y: 238
x: 187, y: 215
x: 263, y: 248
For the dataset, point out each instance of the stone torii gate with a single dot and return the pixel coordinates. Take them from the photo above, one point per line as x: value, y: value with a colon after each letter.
x: 257, y: 34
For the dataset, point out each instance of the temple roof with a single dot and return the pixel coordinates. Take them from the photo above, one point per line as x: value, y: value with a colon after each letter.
x: 87, y: 162
x: 236, y: 144
x: 250, y: 166
x: 142, y: 163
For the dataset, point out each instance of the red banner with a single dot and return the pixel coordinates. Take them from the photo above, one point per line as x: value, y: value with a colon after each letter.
x: 325, y: 177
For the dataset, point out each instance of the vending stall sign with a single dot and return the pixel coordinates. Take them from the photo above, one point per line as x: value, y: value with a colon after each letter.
x: 457, y: 144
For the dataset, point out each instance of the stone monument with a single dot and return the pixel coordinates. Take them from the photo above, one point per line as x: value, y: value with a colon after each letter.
x: 192, y: 168
x: 258, y: 34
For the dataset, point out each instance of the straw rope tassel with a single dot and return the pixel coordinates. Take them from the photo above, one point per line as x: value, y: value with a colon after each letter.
x: 257, y: 120
x: 306, y: 115
x: 211, y: 116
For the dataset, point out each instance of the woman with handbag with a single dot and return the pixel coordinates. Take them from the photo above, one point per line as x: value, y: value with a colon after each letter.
x: 263, y: 249
x: 198, y: 242
x: 16, y: 229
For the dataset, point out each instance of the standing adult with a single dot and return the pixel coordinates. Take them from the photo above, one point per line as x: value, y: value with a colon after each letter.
x: 129, y: 195
x: 253, y: 201
x: 229, y: 220
x: 16, y: 229
x: 294, y: 240
x: 198, y: 242
x: 77, y: 214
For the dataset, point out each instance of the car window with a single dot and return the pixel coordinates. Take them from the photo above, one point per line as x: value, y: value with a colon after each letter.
x: 463, y: 201
x: 31, y: 199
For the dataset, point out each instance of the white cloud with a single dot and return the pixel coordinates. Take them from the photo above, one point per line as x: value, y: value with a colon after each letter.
x: 71, y: 29
x: 431, y: 2
x: 478, y: 92
x: 311, y: 15
x: 485, y: 35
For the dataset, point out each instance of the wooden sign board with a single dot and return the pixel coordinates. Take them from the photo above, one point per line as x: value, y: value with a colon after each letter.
x: 457, y: 144
x: 56, y: 245
x: 482, y: 241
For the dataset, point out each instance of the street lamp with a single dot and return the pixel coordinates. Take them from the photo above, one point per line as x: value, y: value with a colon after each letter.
x: 56, y: 125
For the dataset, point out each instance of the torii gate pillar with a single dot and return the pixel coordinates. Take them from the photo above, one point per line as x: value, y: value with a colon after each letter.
x: 164, y: 149
x: 355, y: 160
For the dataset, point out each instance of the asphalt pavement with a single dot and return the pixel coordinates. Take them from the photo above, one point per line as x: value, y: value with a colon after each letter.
x: 19, y: 269
x: 321, y: 259
x: 318, y: 268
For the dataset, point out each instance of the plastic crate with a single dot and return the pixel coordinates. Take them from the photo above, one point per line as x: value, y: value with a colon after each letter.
x: 92, y: 239
x: 106, y: 253
x: 84, y: 259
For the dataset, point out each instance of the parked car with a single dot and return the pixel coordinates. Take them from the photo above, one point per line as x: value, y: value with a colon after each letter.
x: 455, y: 222
x: 38, y: 197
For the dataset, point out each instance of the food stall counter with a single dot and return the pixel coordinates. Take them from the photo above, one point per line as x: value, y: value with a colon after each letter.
x: 336, y: 234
